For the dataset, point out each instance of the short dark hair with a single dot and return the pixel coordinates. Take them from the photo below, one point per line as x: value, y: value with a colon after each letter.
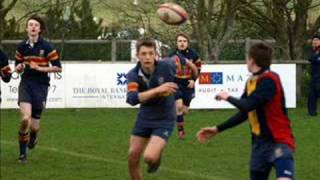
x: 148, y: 42
x: 262, y: 54
x: 316, y: 36
x: 183, y: 35
x: 38, y: 19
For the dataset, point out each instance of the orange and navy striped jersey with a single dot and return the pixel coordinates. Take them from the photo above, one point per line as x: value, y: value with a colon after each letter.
x: 263, y: 104
x: 182, y: 70
x: 41, y: 53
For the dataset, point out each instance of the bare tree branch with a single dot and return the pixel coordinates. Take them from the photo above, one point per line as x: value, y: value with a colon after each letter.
x: 315, y: 27
x: 4, y: 11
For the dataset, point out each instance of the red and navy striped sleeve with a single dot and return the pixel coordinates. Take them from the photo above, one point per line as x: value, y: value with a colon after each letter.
x: 53, y: 56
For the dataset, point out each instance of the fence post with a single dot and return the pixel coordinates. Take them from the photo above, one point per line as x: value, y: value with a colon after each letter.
x: 299, y: 76
x: 113, y: 50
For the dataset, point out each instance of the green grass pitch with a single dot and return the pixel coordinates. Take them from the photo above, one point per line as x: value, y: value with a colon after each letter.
x: 93, y: 143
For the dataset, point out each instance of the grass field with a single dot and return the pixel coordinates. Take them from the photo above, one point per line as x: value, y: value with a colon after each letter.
x: 92, y: 144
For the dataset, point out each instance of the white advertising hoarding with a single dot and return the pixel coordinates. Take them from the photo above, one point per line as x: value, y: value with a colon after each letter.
x: 232, y: 78
x: 90, y: 85
x: 56, y: 92
x: 96, y: 85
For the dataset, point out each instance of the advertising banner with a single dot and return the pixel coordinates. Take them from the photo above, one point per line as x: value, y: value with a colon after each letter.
x: 91, y: 85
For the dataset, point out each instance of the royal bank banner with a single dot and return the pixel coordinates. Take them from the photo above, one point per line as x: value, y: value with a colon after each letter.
x: 91, y: 85
x: 96, y: 85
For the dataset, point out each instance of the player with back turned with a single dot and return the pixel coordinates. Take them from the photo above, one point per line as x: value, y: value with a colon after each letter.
x: 263, y: 104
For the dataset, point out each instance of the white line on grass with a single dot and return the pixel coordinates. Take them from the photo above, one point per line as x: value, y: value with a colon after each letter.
x: 96, y: 158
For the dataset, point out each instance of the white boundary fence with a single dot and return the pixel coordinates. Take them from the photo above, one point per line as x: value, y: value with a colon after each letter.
x: 97, y: 85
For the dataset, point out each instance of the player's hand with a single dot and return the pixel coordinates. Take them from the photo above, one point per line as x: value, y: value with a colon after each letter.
x: 223, y: 95
x: 167, y: 88
x: 34, y: 65
x: 20, y: 67
x: 191, y: 83
x: 206, y: 133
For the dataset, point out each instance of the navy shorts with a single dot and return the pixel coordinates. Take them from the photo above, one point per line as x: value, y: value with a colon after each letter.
x: 186, y: 94
x: 33, y: 93
x: 267, y: 155
x: 163, y: 132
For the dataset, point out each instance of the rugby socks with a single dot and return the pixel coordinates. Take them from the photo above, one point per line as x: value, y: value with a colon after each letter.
x: 23, y: 141
x: 180, y: 122
x: 33, y: 135
x: 33, y: 139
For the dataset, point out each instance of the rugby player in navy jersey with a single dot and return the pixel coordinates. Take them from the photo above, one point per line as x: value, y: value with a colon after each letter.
x: 5, y: 70
x: 263, y: 104
x: 35, y: 58
x: 186, y: 75
x: 150, y: 84
x: 314, y: 85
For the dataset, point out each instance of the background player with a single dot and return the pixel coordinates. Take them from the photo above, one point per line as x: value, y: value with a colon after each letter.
x: 33, y: 56
x: 186, y: 75
x: 314, y: 86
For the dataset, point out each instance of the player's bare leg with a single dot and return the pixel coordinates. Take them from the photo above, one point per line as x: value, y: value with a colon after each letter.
x: 25, y: 112
x: 137, y: 145
x: 152, y: 153
x: 185, y: 110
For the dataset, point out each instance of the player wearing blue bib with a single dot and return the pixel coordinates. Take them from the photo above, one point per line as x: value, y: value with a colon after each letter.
x: 150, y: 84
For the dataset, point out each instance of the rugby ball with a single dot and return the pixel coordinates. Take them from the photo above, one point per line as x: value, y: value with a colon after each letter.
x: 172, y: 14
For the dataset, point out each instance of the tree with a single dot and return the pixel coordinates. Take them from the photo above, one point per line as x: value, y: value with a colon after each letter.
x: 57, y: 26
x: 212, y: 23
x: 286, y: 21
x: 4, y: 25
x: 87, y: 27
x: 131, y: 16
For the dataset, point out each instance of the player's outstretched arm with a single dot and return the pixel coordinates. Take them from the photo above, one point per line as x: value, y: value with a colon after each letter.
x: 45, y: 69
x: 135, y: 97
x: 194, y: 68
x: 164, y: 89
x: 195, y: 73
x: 265, y: 92
x: 198, y: 64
